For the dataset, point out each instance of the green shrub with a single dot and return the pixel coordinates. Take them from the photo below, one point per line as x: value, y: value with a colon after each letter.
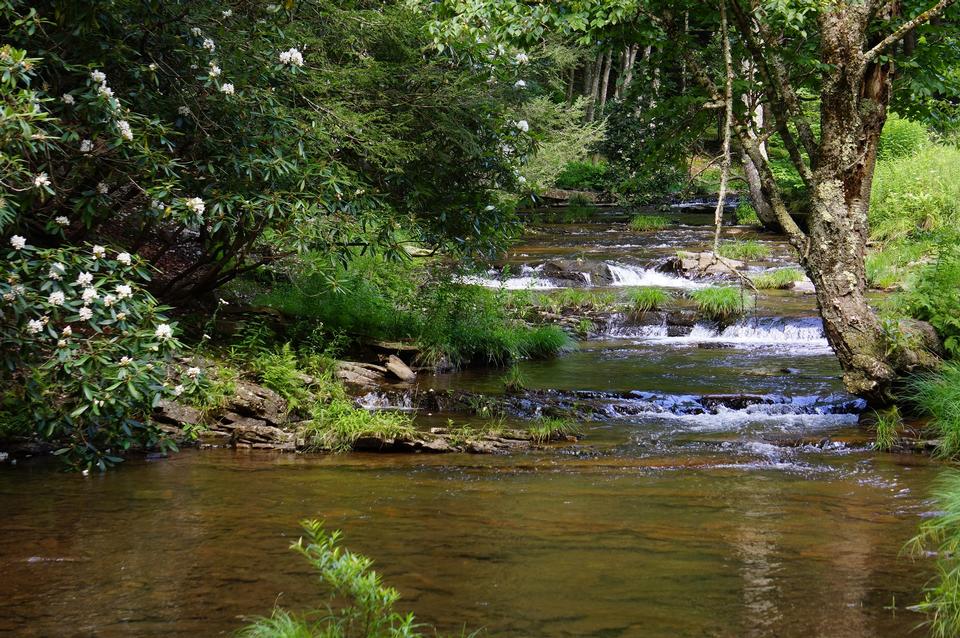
x: 280, y: 371
x: 84, y: 350
x: 937, y: 394
x: 901, y: 138
x: 643, y: 223
x: 721, y: 302
x: 746, y: 214
x: 564, y: 139
x: 744, y: 250
x: 582, y: 175
x: 935, y: 297
x: 647, y: 299
x: 358, y: 605
x: 780, y: 278
x: 940, y: 535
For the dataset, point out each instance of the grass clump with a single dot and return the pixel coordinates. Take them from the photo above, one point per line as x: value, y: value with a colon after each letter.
x: 934, y: 296
x: 746, y: 214
x: 647, y: 299
x: 721, y: 302
x: 777, y: 279
x: 576, y: 299
x: 937, y: 394
x: 359, y: 605
x: 552, y: 429
x: 940, y: 534
x: 886, y: 429
x: 644, y: 223
x: 513, y: 380
x: 744, y: 250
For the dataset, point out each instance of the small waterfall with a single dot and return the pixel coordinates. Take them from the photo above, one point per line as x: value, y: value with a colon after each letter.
x: 806, y: 335
x: 624, y: 275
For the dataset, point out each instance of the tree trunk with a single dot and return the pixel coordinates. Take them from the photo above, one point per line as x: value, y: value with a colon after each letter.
x: 594, y: 87
x: 605, y: 84
x: 854, y: 102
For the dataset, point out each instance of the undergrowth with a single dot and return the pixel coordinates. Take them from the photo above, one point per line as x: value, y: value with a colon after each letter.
x: 721, y: 303
x: 644, y: 223
x: 744, y: 250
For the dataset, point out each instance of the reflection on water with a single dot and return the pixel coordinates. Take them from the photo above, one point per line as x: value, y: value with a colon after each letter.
x: 537, y: 545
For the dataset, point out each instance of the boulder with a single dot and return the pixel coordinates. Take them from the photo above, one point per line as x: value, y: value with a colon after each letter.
x: 359, y: 374
x: 578, y: 272
x: 176, y: 414
x: 259, y: 402
x: 399, y: 369
x: 702, y: 264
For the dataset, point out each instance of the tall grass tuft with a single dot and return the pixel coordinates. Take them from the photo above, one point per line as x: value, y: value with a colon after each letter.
x: 774, y: 279
x: 886, y: 429
x: 647, y: 299
x: 553, y: 429
x: 745, y: 250
x: 644, y: 223
x: 937, y: 394
x: 941, y: 534
x: 721, y: 303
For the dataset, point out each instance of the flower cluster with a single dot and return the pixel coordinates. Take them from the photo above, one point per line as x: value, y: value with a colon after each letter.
x: 292, y: 57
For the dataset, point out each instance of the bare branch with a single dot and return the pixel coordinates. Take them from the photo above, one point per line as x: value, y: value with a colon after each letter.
x: 906, y: 28
x: 727, y: 125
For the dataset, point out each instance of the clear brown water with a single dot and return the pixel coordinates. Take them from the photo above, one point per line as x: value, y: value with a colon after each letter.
x: 778, y: 521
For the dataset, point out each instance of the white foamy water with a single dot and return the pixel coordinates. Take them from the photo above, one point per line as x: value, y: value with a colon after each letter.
x: 624, y: 275
x: 805, y: 335
x: 529, y: 279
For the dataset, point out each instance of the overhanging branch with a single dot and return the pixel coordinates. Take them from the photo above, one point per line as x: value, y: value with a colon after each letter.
x: 906, y: 28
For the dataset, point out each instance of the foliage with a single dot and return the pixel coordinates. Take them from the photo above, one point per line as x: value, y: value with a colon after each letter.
x: 643, y: 223
x: 211, y: 142
x: 583, y: 175
x: 779, y: 278
x: 941, y: 535
x: 367, y: 609
x: 745, y: 250
x: 746, y: 214
x: 721, y: 302
x: 563, y: 141
x: 646, y: 299
x: 916, y: 196
x: 901, y: 138
x: 934, y: 296
x: 85, y: 349
x: 575, y: 299
x: 280, y: 371
x: 937, y: 394
x: 337, y: 423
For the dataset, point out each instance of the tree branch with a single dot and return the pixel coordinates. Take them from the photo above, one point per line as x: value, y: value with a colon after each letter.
x: 906, y: 28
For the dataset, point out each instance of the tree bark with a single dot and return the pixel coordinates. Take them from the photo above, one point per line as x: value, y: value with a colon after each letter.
x: 594, y: 87
x: 605, y: 84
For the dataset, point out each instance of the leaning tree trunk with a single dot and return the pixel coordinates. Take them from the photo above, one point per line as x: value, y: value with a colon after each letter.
x: 854, y: 101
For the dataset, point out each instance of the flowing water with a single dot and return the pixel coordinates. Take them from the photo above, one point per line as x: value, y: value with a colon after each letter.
x: 723, y: 488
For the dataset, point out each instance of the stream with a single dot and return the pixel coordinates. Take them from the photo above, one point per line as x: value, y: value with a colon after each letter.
x: 678, y: 513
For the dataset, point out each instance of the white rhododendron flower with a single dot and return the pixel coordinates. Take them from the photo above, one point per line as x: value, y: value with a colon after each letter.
x: 195, y: 204
x: 520, y: 84
x: 522, y: 58
x: 85, y: 314
x: 34, y: 326
x: 183, y: 110
x: 102, y: 188
x: 124, y: 258
x: 178, y: 390
x: 109, y: 300
x: 125, y: 361
x: 227, y: 13
x: 214, y: 71
x: 56, y: 298
x: 105, y: 91
x: 68, y: 99
x: 66, y: 332
x: 18, y: 242
x: 125, y: 131
x: 56, y: 272
x: 523, y: 125
x: 84, y: 279
x: 99, y: 252
x: 124, y: 291
x: 121, y: 316
x: 196, y: 31
x: 62, y: 221
x: 98, y: 76
x: 89, y: 295
x: 86, y: 146
x: 209, y: 45
x: 227, y: 88
x: 522, y: 180
x: 41, y: 180
x: 164, y: 331
x: 291, y: 56
x: 193, y: 373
